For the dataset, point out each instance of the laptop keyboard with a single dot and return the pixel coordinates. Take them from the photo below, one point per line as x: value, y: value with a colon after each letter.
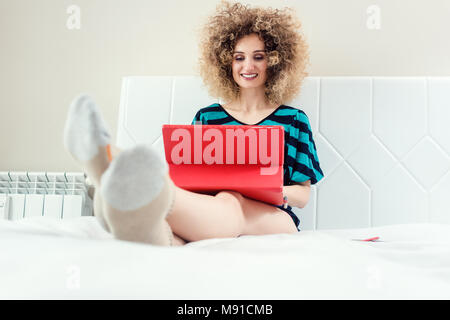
x: 59, y: 195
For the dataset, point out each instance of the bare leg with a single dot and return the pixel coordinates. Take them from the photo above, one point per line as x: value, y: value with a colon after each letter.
x: 197, y: 216
x: 228, y: 214
x: 262, y: 218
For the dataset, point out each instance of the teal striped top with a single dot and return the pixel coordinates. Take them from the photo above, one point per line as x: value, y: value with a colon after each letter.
x: 301, y: 162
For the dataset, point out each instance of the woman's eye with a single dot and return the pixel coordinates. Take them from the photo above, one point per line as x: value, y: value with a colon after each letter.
x: 256, y: 58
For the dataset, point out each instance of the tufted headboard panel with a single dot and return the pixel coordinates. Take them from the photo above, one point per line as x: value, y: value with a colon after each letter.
x: 383, y: 142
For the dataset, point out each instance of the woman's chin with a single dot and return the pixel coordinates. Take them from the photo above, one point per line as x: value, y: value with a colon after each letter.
x: 247, y: 85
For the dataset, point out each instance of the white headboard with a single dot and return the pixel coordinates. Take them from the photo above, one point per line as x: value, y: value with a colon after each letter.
x: 383, y: 143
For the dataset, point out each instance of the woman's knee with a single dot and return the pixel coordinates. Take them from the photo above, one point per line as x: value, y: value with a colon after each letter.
x: 230, y: 195
x: 233, y: 202
x: 232, y: 199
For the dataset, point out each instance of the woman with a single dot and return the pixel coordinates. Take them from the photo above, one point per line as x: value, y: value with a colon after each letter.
x: 254, y: 59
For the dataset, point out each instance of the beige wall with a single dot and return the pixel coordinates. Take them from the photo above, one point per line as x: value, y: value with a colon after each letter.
x: 43, y: 64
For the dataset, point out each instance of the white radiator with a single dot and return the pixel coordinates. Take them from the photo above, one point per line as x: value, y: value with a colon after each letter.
x: 59, y: 195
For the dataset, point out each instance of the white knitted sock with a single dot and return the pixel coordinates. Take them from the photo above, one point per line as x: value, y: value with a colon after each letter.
x: 85, y: 131
x: 85, y: 137
x: 138, y: 194
x: 134, y: 178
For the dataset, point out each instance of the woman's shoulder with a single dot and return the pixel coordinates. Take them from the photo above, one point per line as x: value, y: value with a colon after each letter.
x: 208, y: 113
x: 299, y: 118
x: 211, y: 108
x: 297, y: 112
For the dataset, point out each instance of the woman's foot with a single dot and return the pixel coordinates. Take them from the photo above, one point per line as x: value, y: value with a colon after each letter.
x: 138, y: 194
x: 86, y: 138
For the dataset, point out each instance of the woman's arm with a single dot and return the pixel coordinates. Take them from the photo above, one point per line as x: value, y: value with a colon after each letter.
x: 298, y: 194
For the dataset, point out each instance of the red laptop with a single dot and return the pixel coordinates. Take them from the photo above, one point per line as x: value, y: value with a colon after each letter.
x: 213, y: 158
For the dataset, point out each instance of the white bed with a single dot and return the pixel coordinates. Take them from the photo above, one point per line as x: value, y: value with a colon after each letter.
x: 76, y: 259
x: 383, y: 144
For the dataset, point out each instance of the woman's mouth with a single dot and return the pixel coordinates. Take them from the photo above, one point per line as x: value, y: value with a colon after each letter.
x: 249, y: 76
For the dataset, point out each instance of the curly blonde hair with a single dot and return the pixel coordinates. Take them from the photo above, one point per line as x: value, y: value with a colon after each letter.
x: 286, y: 48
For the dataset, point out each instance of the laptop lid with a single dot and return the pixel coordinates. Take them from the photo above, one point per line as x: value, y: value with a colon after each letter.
x: 212, y: 158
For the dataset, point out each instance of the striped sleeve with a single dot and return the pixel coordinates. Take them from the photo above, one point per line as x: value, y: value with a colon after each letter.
x: 307, y: 165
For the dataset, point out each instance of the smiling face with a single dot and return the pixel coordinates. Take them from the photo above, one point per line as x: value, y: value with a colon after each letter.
x: 249, y: 62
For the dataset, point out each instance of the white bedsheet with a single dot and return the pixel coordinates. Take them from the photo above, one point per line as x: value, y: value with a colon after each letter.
x: 76, y: 259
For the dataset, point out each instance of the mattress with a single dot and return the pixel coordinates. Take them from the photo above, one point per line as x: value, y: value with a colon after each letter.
x: 43, y: 258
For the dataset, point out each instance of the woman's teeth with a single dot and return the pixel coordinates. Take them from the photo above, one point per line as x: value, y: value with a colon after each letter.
x: 250, y: 75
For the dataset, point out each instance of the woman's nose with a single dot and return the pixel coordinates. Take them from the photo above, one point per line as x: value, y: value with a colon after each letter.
x: 249, y: 65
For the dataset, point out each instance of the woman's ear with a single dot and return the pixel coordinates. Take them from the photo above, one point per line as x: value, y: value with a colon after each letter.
x: 273, y: 58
